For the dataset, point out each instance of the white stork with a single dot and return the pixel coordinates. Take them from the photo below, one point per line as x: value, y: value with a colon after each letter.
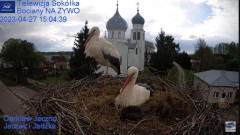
x: 131, y: 94
x: 102, y: 50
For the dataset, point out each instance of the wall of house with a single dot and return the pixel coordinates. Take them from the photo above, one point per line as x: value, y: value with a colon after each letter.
x: 222, y: 90
x: 61, y: 65
x: 202, y: 86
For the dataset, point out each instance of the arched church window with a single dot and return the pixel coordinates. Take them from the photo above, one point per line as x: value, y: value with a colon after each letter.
x: 136, y: 51
x: 138, y: 36
x: 143, y: 36
x: 119, y: 34
x: 134, y: 35
x: 112, y: 34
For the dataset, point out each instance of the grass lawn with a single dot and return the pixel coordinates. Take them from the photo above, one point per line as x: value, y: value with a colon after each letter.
x: 188, y: 77
x: 145, y: 73
x: 173, y: 74
x: 53, y: 80
x: 7, y: 81
x: 11, y: 82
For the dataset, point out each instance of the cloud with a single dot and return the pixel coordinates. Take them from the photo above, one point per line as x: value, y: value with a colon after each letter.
x: 192, y: 36
x: 186, y: 20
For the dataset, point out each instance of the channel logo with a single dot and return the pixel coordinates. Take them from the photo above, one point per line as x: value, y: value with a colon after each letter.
x: 7, y: 6
x: 230, y: 126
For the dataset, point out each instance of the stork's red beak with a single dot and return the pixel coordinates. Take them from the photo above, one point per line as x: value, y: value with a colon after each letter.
x: 88, y: 38
x: 129, y: 79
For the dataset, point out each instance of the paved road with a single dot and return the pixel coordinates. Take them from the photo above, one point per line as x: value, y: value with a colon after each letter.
x: 181, y: 75
x: 9, y: 103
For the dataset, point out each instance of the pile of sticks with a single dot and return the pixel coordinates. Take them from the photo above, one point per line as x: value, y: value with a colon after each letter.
x: 205, y: 118
x: 61, y: 100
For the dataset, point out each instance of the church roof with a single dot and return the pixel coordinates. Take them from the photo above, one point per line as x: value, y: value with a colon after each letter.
x: 138, y: 19
x: 117, y: 22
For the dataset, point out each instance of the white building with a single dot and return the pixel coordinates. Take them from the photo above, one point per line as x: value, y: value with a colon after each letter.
x: 217, y: 84
x: 132, y: 50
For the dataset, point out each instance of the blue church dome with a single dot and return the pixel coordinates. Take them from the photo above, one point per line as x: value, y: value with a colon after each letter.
x: 138, y: 19
x: 117, y: 22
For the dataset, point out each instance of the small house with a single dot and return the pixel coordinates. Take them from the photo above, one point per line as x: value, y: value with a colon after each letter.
x: 217, y: 84
x: 60, y: 62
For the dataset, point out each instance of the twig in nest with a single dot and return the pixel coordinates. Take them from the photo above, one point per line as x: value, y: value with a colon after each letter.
x: 59, y: 124
x: 163, y: 81
x: 55, y: 99
x: 93, y: 121
x: 79, y: 127
x: 130, y: 132
x: 85, y: 107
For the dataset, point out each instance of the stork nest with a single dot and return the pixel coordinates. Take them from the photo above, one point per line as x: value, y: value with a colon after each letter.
x: 87, y: 107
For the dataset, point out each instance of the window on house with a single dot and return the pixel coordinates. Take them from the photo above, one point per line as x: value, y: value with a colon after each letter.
x: 134, y: 35
x: 229, y: 94
x: 223, y: 95
x: 215, y: 94
x: 136, y: 51
x: 138, y: 36
x: 112, y: 34
x: 119, y: 34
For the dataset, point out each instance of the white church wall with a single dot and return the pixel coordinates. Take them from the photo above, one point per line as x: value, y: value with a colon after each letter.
x: 141, y: 54
x: 132, y: 58
x: 122, y: 49
x: 141, y: 60
x: 116, y: 34
x: 136, y: 57
x: 138, y: 26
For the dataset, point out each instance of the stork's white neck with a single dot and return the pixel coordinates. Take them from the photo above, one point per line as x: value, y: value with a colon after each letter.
x: 91, y: 42
x: 129, y: 87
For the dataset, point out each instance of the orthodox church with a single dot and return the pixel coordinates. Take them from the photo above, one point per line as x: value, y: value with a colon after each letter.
x: 131, y: 50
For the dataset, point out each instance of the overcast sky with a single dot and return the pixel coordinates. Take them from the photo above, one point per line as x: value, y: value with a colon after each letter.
x: 186, y: 20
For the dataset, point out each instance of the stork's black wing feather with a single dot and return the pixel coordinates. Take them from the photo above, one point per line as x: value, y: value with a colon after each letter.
x: 115, y: 62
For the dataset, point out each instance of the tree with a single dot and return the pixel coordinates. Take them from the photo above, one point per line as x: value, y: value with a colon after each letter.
x: 20, y: 53
x: 167, y: 50
x: 231, y: 49
x: 204, y: 53
x: 227, y: 56
x: 149, y: 49
x: 184, y: 60
x: 221, y: 48
x: 82, y: 66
